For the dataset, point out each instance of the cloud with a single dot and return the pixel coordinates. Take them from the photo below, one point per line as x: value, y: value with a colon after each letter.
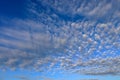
x: 22, y: 78
x: 48, y: 41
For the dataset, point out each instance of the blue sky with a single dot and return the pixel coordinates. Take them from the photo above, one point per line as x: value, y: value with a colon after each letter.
x: 59, y: 40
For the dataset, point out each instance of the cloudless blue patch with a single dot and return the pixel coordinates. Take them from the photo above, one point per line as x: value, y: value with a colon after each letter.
x: 12, y: 8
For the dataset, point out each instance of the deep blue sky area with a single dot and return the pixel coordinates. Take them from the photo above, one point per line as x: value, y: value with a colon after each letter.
x: 59, y: 39
x: 12, y: 8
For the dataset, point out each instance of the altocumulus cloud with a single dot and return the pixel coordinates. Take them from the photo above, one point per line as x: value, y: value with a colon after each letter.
x: 75, y: 36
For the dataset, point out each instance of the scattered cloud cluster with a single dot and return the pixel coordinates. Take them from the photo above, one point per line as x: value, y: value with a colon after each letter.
x: 57, y: 37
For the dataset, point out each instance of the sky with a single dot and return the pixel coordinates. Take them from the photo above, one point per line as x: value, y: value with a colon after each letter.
x: 59, y: 40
